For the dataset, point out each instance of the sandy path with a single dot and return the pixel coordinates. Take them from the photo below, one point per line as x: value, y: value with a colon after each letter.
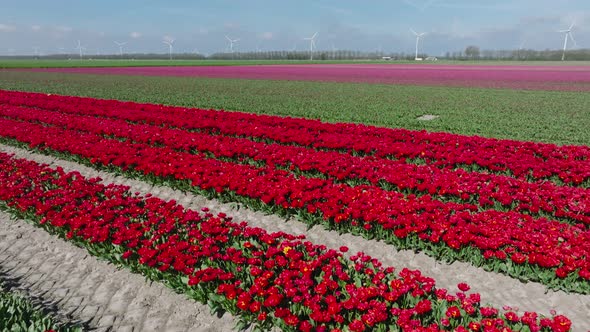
x: 495, y: 289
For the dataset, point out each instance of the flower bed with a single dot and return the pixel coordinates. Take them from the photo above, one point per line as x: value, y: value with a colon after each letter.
x: 570, y: 204
x: 569, y: 164
x: 564, y: 78
x: 269, y: 279
x: 524, y: 247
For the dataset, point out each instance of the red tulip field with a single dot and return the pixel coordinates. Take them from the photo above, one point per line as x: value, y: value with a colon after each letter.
x: 508, y: 209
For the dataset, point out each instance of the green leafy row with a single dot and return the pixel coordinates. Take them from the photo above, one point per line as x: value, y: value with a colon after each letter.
x: 17, y: 314
x: 546, y: 116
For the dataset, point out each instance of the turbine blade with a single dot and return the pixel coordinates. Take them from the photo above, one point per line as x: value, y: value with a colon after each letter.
x: 314, y: 35
x: 573, y: 23
x: 226, y: 37
x: 414, y: 32
x: 572, y: 38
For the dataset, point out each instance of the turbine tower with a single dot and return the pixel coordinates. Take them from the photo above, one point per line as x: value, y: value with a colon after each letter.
x: 418, y: 36
x: 311, y: 44
x: 231, y: 43
x: 120, y: 44
x: 520, y: 48
x: 80, y: 48
x: 169, y: 42
x: 568, y: 34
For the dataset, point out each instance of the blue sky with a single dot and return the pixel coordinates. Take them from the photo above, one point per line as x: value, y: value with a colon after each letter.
x: 55, y: 26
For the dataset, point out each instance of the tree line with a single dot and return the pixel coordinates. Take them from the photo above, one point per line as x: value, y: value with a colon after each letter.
x: 471, y: 52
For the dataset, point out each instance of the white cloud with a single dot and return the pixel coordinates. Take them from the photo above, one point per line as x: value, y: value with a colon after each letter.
x: 420, y: 4
x: 479, y: 6
x: 7, y: 28
x: 63, y: 28
x: 35, y: 27
x: 267, y: 35
x: 135, y: 34
x: 336, y: 10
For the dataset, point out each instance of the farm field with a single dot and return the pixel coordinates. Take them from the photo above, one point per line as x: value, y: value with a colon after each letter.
x: 547, y: 116
x: 516, y: 209
x: 319, y: 205
x: 76, y: 63
x: 569, y: 78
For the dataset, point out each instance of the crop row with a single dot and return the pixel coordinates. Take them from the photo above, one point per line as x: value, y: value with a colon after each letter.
x: 564, y: 78
x: 272, y: 279
x: 528, y: 160
x: 19, y: 314
x: 569, y: 203
x: 537, y: 249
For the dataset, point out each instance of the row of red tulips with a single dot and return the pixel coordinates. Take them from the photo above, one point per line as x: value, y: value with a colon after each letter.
x: 565, y: 203
x: 571, y: 164
x: 271, y: 279
x: 537, y: 249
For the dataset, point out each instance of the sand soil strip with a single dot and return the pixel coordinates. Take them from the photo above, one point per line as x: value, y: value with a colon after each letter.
x: 495, y: 289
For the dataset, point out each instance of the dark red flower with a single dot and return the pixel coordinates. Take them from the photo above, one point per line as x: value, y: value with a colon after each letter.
x: 463, y: 287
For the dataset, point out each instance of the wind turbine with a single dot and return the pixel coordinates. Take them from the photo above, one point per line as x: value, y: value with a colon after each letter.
x: 311, y: 44
x: 520, y: 48
x: 36, y: 51
x: 231, y: 43
x: 418, y: 36
x: 568, y: 33
x: 169, y: 42
x: 80, y: 48
x: 120, y: 44
x: 334, y: 49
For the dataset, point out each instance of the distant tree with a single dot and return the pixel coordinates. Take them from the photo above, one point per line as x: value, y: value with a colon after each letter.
x: 472, y: 52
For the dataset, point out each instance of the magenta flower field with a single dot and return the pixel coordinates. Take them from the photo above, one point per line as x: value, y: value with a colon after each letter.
x: 564, y: 78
